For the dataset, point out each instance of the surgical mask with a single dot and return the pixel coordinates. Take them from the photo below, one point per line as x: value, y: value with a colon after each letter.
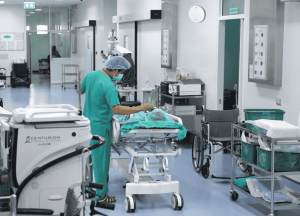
x: 118, y: 78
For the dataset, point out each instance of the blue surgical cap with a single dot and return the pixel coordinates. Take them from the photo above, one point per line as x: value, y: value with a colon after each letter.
x: 117, y: 62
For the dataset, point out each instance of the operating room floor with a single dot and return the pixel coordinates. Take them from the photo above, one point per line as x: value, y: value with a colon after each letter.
x: 201, y: 196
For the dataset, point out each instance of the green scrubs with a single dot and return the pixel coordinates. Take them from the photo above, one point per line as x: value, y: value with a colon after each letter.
x: 100, y: 96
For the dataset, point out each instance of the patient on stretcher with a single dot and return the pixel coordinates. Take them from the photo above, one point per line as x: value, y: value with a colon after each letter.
x: 155, y: 119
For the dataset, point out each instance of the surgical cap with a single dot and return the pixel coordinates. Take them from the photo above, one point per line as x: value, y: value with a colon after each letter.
x: 117, y: 62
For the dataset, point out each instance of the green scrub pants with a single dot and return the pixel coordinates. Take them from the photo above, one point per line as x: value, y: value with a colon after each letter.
x: 101, y: 160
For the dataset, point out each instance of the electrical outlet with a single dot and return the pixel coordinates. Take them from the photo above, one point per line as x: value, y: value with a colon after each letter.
x: 278, y: 101
x: 260, y: 51
x: 166, y: 48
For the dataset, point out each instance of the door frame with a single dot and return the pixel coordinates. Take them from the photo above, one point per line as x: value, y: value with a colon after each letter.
x: 221, y: 55
x: 89, y: 23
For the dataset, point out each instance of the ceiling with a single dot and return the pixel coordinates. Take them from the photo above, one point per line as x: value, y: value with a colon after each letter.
x: 45, y: 2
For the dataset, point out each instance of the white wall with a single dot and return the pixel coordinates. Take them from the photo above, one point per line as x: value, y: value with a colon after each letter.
x: 101, y: 11
x: 197, y: 43
x: 13, y: 20
x: 136, y: 6
x: 264, y: 96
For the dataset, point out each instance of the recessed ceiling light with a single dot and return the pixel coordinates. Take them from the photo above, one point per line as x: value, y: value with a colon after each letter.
x: 32, y: 12
x: 2, y: 2
x: 38, y: 9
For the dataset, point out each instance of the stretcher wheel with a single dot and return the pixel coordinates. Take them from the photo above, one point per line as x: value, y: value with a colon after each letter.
x: 127, y: 205
x: 205, y: 171
x: 234, y: 196
x: 175, y: 202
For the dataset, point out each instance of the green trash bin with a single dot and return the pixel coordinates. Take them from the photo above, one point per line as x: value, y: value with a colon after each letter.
x: 284, y: 161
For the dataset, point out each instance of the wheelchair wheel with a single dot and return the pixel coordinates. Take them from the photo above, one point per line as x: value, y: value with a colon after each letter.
x: 196, y: 152
x: 205, y: 171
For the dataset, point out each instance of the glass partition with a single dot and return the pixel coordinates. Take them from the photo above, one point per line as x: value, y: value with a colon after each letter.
x: 233, y: 7
x: 60, y: 18
x: 61, y: 45
x: 37, y: 17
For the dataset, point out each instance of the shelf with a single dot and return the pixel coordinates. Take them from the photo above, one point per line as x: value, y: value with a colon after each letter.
x: 277, y: 206
x: 266, y: 171
x: 180, y: 97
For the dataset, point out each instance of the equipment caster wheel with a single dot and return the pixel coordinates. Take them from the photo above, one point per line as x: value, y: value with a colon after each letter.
x: 129, y: 201
x: 177, y: 202
x: 13, y: 85
x: 234, y: 196
x: 205, y: 171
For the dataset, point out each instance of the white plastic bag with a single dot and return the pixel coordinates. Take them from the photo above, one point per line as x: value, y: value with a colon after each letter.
x: 261, y: 187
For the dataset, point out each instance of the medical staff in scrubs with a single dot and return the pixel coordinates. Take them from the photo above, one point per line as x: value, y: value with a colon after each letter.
x: 101, y: 101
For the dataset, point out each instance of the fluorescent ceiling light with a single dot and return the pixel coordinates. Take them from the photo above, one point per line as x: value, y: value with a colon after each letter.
x: 42, y: 32
x: 32, y: 12
x: 42, y: 29
x: 38, y: 9
x: 2, y: 2
x: 27, y: 28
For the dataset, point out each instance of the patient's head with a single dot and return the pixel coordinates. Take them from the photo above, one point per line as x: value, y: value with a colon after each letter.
x: 158, y: 115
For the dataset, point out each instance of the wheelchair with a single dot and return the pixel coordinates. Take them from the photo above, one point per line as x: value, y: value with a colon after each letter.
x: 20, y: 75
x: 215, y: 131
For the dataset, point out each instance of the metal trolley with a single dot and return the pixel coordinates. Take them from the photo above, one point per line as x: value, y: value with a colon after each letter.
x: 273, y: 141
x: 64, y: 74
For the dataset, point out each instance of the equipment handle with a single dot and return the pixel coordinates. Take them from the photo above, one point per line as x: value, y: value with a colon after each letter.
x: 105, y: 205
x: 101, y: 142
x: 95, y: 185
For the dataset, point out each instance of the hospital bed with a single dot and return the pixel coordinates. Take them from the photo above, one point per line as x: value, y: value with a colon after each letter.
x: 142, y: 146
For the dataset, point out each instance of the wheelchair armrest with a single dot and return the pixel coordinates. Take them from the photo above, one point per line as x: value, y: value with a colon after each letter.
x: 204, y: 122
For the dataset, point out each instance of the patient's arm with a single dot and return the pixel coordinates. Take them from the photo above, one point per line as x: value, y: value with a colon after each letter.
x: 121, y: 110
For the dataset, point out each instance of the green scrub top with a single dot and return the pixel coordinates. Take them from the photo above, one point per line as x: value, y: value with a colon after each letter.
x: 100, y: 96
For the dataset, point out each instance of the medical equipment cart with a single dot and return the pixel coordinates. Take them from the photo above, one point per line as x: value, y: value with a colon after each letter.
x: 273, y: 142
x: 64, y: 74
x: 190, y: 122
